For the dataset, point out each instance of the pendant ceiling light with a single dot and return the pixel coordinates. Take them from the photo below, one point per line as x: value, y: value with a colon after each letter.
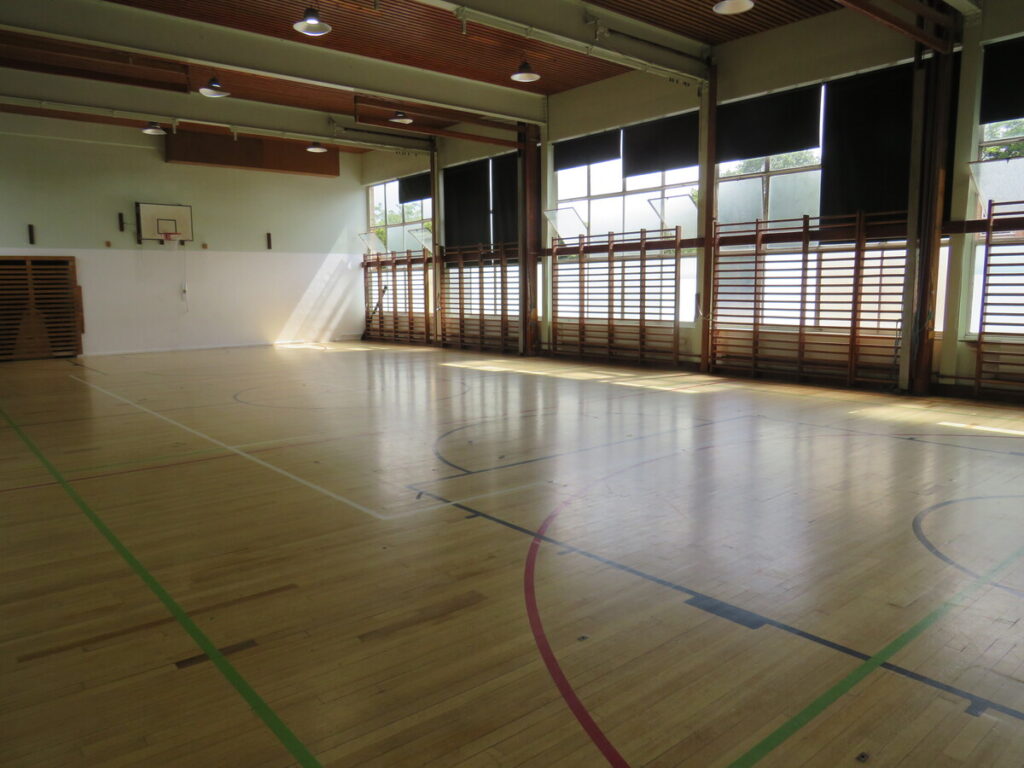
x: 525, y: 74
x: 400, y: 117
x: 731, y: 7
x: 154, y: 128
x: 317, y: 147
x: 311, y: 25
x: 214, y: 89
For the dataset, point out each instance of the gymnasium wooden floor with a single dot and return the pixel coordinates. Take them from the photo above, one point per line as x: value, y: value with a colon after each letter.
x: 416, y: 557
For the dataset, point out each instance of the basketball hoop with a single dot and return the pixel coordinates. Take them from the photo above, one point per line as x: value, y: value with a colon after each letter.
x: 169, y: 237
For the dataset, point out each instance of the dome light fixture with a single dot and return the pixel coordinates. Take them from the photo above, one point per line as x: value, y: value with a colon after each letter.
x: 732, y: 7
x: 401, y: 118
x: 316, y: 147
x: 153, y: 128
x: 311, y: 25
x: 525, y: 74
x: 214, y: 89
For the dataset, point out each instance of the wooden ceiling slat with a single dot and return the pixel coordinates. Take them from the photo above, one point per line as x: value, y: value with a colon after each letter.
x: 404, y: 32
x: 694, y: 18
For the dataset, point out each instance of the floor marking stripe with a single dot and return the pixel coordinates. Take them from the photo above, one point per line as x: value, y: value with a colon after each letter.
x: 977, y: 704
x: 232, y: 675
x: 499, y: 492
x: 829, y: 697
x: 578, y: 709
x: 243, y: 454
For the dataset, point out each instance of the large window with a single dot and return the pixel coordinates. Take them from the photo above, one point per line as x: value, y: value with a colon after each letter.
x: 999, y: 176
x: 393, y: 222
x: 785, y: 186
x: 607, y: 202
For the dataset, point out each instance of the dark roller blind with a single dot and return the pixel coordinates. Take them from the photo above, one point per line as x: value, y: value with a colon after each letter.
x: 1002, y: 94
x: 866, y: 154
x: 596, y: 148
x: 467, y: 204
x: 768, y: 125
x: 660, y: 145
x: 413, y: 188
x: 505, y: 189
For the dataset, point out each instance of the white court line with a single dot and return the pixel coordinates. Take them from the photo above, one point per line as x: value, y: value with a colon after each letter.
x: 243, y: 454
x: 289, y: 475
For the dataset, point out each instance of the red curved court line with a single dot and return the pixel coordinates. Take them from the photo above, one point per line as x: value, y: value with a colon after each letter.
x: 548, y: 655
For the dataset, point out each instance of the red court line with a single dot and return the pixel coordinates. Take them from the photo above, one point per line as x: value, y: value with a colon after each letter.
x: 576, y: 706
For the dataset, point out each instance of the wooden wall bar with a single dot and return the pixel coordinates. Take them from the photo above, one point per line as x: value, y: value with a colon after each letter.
x: 396, y: 287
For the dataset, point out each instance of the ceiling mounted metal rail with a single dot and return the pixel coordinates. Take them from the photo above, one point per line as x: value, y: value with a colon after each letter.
x: 583, y: 29
x: 349, y: 137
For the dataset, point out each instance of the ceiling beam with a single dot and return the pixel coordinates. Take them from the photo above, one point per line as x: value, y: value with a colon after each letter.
x: 222, y: 48
x: 589, y: 29
x: 966, y: 7
x: 903, y: 26
x: 74, y: 95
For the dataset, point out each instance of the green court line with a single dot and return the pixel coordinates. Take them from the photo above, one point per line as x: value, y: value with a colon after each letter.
x: 829, y: 697
x: 291, y: 742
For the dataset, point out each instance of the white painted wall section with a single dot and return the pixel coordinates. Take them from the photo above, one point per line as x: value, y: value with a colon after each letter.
x: 70, y: 180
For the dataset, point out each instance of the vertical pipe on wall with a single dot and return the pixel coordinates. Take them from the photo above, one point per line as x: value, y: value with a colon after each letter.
x: 964, y: 198
x: 914, y: 208
x: 530, y: 244
x: 938, y: 98
x: 706, y: 213
x: 435, y: 309
x: 677, y: 256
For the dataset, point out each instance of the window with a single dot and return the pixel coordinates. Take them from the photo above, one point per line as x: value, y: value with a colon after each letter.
x: 607, y: 202
x: 1002, y: 141
x: 393, y: 222
x: 998, y: 175
x: 785, y: 186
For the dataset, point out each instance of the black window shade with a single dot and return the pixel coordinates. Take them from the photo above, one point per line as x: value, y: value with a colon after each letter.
x: 467, y: 204
x: 505, y: 187
x: 596, y: 148
x: 768, y: 125
x: 659, y: 145
x: 867, y: 144
x: 1002, y: 96
x: 413, y: 188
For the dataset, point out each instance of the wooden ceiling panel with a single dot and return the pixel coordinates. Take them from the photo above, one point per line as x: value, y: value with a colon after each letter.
x: 404, y: 32
x: 695, y: 19
x: 39, y: 54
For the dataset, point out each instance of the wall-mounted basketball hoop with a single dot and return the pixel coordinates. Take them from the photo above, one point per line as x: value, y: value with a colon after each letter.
x: 163, y: 222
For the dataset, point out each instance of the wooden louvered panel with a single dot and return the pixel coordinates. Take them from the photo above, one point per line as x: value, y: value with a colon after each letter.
x: 828, y: 309
x: 40, y: 308
x: 396, y: 289
x: 1000, y: 353
x: 622, y: 304
x: 480, y: 297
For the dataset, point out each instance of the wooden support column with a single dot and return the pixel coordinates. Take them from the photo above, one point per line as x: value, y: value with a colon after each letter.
x: 706, y: 214
x: 938, y: 88
x: 435, y: 307
x: 530, y: 234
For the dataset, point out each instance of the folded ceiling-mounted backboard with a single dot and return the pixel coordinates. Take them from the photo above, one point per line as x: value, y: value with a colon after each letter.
x: 163, y: 222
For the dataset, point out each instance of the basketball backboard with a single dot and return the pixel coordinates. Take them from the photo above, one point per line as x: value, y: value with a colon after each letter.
x: 163, y: 222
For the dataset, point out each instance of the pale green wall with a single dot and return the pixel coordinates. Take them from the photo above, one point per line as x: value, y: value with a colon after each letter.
x: 71, y: 179
x: 383, y: 165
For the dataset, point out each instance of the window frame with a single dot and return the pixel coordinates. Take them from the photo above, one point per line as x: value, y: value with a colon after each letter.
x: 381, y: 229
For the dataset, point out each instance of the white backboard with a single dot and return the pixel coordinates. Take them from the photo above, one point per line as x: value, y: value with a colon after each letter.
x: 163, y: 222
